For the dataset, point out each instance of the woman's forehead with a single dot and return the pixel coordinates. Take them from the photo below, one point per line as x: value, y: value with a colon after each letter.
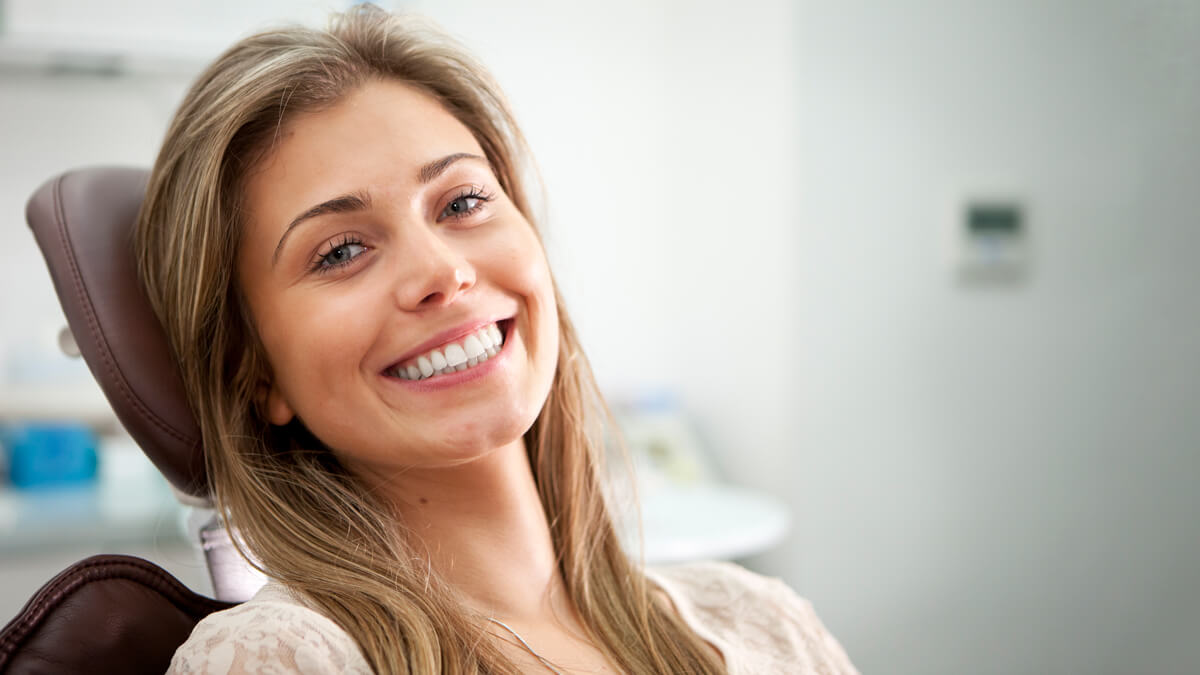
x: 379, y: 134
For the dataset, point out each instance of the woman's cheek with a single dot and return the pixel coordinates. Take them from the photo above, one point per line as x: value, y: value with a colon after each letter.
x: 511, y: 257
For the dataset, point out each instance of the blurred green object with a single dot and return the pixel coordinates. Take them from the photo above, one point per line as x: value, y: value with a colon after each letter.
x: 663, y: 441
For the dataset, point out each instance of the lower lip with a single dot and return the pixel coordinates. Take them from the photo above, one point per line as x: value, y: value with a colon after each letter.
x: 447, y: 381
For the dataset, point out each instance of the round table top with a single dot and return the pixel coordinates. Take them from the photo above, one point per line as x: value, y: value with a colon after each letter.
x: 709, y: 521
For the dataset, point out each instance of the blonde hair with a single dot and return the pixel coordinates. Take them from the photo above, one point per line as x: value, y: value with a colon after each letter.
x: 301, y: 515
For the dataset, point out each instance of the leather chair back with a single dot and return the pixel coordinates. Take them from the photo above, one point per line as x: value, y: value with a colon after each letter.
x: 104, y: 614
x: 83, y: 222
x: 113, y: 614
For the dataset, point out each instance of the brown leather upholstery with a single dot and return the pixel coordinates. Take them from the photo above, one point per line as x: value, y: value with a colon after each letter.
x: 111, y: 613
x: 82, y: 221
x: 105, y: 614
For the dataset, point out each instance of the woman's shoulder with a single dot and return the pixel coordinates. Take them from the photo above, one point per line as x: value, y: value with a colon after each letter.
x: 273, y: 631
x: 715, y: 577
x: 723, y: 587
x: 756, y: 621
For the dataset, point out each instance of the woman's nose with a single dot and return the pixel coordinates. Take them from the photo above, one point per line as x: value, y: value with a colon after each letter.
x: 431, y: 273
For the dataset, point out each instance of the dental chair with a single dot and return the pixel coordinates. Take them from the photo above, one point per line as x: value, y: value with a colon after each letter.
x: 115, y: 613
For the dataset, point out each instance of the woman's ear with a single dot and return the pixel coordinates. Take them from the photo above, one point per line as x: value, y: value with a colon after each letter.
x: 272, y: 404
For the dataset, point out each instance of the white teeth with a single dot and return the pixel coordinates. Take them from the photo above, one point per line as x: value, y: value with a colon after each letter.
x: 471, y: 351
x: 437, y: 360
x: 490, y: 346
x: 473, y: 347
x: 455, y: 355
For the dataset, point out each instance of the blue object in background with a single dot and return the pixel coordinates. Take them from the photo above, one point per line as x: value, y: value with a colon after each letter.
x: 44, y: 455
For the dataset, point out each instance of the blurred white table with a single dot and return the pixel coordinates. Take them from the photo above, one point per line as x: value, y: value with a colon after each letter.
x: 709, y: 521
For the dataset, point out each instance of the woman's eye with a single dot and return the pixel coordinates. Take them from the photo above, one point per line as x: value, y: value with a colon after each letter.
x: 340, y: 255
x: 464, y: 205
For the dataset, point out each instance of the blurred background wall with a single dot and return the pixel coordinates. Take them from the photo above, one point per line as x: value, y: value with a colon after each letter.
x: 1004, y: 475
x: 752, y: 205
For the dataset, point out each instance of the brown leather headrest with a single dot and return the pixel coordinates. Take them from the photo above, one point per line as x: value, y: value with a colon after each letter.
x: 83, y: 222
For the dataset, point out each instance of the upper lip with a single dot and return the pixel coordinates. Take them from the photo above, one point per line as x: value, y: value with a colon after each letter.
x: 441, y: 338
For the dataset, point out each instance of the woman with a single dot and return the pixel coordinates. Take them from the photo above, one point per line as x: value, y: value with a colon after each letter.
x: 397, y: 415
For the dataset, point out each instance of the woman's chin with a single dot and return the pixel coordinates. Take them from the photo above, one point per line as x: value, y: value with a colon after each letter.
x: 479, y: 438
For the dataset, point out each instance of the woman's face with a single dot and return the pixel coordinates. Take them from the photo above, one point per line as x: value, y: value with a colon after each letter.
x: 405, y: 304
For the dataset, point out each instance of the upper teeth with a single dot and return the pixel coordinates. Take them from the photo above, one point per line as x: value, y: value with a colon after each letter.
x: 464, y: 353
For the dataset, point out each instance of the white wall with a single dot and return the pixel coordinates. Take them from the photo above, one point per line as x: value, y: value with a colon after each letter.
x: 745, y: 205
x: 48, y: 125
x: 1000, y: 479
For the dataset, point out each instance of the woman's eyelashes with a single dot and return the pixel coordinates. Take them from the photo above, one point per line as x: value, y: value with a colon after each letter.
x: 340, y: 252
x: 465, y: 203
x: 345, y: 249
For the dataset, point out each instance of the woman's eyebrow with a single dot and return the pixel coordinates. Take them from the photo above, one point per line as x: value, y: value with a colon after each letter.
x: 438, y: 166
x: 355, y: 201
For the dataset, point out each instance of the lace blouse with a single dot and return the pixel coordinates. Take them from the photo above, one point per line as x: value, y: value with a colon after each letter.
x: 757, y: 623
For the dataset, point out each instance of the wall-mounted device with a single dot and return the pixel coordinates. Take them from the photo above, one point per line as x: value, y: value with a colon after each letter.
x: 989, y: 240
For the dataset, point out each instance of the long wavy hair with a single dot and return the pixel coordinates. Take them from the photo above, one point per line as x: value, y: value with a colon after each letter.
x: 303, y: 518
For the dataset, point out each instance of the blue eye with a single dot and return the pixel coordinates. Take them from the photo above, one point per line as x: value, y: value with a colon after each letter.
x: 342, y: 253
x: 465, y: 204
x: 462, y: 205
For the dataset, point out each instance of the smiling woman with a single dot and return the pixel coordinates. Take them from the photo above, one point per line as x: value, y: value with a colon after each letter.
x: 397, y: 416
x: 412, y: 255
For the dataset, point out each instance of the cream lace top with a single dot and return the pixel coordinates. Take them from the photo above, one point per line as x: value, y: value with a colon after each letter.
x: 758, y: 624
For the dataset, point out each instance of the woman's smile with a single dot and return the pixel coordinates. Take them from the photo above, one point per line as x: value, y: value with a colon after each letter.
x: 477, y: 354
x: 459, y: 350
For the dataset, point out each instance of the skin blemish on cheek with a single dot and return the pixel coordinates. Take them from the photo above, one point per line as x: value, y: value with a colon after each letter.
x: 424, y: 500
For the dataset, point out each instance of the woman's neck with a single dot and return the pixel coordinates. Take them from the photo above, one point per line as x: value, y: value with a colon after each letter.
x: 485, y: 532
x: 482, y: 528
